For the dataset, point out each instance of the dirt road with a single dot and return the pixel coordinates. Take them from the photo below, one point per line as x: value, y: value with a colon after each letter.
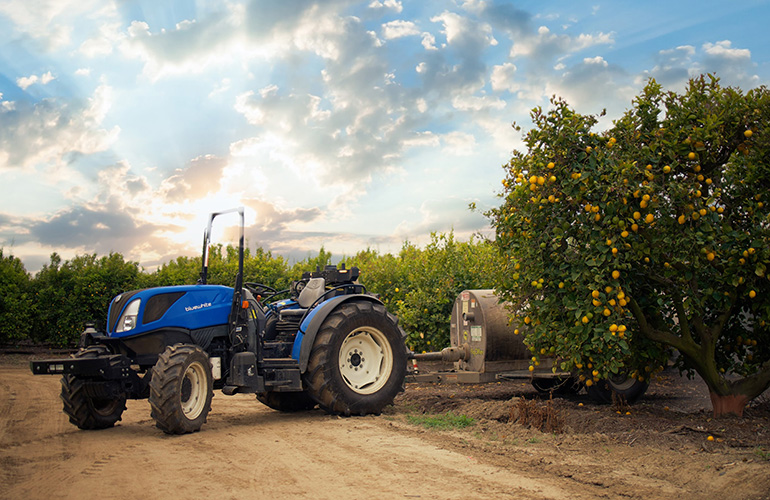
x: 249, y: 451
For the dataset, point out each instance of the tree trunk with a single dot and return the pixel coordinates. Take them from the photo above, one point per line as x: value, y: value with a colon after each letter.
x: 732, y: 404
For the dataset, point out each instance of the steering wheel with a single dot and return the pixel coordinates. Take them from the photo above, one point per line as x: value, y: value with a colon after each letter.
x: 259, y: 288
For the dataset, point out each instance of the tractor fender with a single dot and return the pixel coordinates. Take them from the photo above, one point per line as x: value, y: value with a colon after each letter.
x: 303, y: 343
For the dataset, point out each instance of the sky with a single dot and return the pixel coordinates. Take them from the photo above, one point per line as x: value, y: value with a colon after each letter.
x: 343, y: 124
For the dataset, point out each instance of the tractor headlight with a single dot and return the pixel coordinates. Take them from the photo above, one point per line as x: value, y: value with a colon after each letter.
x: 128, y: 320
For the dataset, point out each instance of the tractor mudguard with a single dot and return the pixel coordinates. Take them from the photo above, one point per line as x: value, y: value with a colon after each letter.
x: 303, y: 343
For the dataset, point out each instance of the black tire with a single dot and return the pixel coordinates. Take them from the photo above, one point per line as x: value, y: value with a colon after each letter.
x: 358, y: 360
x: 623, y: 387
x: 557, y: 385
x: 287, y: 401
x: 89, y: 412
x: 181, y: 389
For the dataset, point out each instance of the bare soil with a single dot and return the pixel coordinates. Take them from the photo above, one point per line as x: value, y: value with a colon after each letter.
x: 658, y: 448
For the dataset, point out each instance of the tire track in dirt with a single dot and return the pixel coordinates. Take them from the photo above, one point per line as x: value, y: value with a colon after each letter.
x: 246, y: 450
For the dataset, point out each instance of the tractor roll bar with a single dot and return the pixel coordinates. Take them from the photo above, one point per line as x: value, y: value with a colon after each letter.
x: 207, y: 240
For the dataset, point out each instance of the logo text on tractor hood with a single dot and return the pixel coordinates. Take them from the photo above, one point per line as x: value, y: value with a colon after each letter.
x: 199, y: 306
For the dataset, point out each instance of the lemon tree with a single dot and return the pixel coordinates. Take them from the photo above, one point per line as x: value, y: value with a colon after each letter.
x: 649, y: 236
x: 420, y: 285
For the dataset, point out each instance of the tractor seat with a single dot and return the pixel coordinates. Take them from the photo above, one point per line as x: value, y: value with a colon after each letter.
x: 312, y: 291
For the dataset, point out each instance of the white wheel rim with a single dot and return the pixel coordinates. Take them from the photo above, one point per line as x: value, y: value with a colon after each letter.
x: 365, y: 360
x: 621, y: 382
x: 193, y: 393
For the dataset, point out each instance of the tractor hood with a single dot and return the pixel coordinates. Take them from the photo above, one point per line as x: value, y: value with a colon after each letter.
x: 189, y: 307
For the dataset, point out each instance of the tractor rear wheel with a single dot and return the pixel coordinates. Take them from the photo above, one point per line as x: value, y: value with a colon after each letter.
x: 84, y: 409
x: 287, y: 401
x: 181, y: 389
x: 358, y: 360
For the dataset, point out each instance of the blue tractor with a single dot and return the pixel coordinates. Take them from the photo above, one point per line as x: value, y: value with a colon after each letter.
x: 324, y: 341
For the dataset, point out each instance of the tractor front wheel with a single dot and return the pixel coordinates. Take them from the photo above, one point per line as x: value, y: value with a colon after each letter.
x: 358, y: 360
x: 181, y: 389
x: 89, y: 407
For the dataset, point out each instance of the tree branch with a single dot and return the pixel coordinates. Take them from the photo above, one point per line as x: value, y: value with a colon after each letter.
x: 651, y: 333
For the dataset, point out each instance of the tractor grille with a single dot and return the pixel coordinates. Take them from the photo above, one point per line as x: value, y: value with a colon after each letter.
x: 157, y: 305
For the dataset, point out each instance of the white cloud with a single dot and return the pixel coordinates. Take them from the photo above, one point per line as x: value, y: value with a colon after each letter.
x: 477, y: 103
x: 6, y: 106
x: 593, y: 85
x: 44, y: 133
x: 733, y: 65
x: 503, y: 77
x: 423, y: 139
x: 598, y: 61
x: 459, y: 29
x: 459, y: 143
x: 25, y: 82
x: 399, y: 29
x: 394, y: 5
x: 724, y: 50
x: 223, y: 86
x: 102, y: 44
x: 548, y: 45
x: 674, y: 67
x: 303, y: 106
x: 429, y: 41
x: 52, y: 22
x: 191, y: 47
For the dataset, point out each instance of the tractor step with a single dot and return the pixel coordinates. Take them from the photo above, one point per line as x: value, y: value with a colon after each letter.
x: 278, y: 363
x: 282, y: 374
